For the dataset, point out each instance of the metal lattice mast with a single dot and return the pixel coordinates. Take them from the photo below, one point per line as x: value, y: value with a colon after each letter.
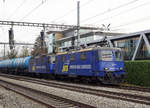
x: 78, y: 23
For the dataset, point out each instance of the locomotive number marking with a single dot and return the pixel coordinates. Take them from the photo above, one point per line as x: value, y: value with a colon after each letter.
x: 88, y: 66
x: 65, y: 68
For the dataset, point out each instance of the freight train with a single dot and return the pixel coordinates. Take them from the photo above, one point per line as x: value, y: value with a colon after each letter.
x: 99, y: 64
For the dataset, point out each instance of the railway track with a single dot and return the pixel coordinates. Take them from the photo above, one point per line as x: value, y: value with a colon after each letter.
x: 129, y: 87
x: 109, y: 94
x: 124, y: 87
x: 49, y: 100
x: 137, y: 88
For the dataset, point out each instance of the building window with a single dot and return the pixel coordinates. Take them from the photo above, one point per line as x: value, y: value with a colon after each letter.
x: 131, y: 43
x: 62, y: 44
x: 121, y: 44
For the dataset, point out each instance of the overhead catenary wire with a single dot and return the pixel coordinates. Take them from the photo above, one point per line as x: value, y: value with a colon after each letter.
x: 69, y: 12
x: 134, y: 22
x: 34, y: 9
x: 110, y: 10
x: 123, y: 12
x: 16, y: 10
x: 66, y: 14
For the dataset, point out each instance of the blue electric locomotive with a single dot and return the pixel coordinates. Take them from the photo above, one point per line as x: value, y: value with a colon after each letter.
x: 103, y: 64
x: 42, y: 64
x: 99, y: 64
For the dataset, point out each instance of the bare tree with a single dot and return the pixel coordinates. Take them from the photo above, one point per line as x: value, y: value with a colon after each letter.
x: 24, y: 52
x: 12, y: 53
x: 37, y: 50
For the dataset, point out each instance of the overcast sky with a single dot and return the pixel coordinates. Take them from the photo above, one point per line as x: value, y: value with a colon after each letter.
x: 123, y: 15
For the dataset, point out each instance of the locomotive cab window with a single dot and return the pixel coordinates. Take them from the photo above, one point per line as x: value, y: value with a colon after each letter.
x: 52, y: 59
x: 106, y: 55
x: 99, y: 55
x: 118, y: 56
x: 82, y: 56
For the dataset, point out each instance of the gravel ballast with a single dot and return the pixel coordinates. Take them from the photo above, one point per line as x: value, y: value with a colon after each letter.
x: 9, y: 99
x: 133, y: 92
x: 97, y: 101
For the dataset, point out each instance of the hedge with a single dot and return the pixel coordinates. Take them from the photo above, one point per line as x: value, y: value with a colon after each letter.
x: 138, y: 72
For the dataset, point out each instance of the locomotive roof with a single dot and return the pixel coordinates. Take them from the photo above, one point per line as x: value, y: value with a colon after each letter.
x: 88, y: 49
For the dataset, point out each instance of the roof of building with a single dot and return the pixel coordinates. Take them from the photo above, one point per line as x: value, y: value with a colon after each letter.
x: 130, y: 35
x: 100, y: 33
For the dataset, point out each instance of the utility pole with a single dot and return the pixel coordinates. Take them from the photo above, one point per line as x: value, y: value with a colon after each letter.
x: 11, y: 38
x: 78, y: 24
x: 4, y: 51
x: 44, y: 38
x: 43, y: 47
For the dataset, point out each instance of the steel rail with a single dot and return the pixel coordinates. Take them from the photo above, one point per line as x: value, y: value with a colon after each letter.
x: 50, y: 100
x: 109, y: 94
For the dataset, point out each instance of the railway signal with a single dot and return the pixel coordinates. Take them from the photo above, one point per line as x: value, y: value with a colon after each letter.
x: 11, y: 38
x: 42, y: 38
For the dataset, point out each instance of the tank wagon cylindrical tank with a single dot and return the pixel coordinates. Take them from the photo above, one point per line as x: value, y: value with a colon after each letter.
x: 20, y: 63
x: 5, y: 64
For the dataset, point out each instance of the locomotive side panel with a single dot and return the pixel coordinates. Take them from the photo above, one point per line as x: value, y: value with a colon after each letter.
x: 83, y: 64
x: 61, y: 65
x: 51, y: 64
x: 41, y: 65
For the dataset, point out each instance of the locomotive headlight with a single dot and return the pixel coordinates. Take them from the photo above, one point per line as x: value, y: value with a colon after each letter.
x: 105, y: 68
x: 121, y: 68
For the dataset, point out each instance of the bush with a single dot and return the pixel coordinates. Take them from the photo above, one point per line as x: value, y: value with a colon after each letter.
x: 138, y: 72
